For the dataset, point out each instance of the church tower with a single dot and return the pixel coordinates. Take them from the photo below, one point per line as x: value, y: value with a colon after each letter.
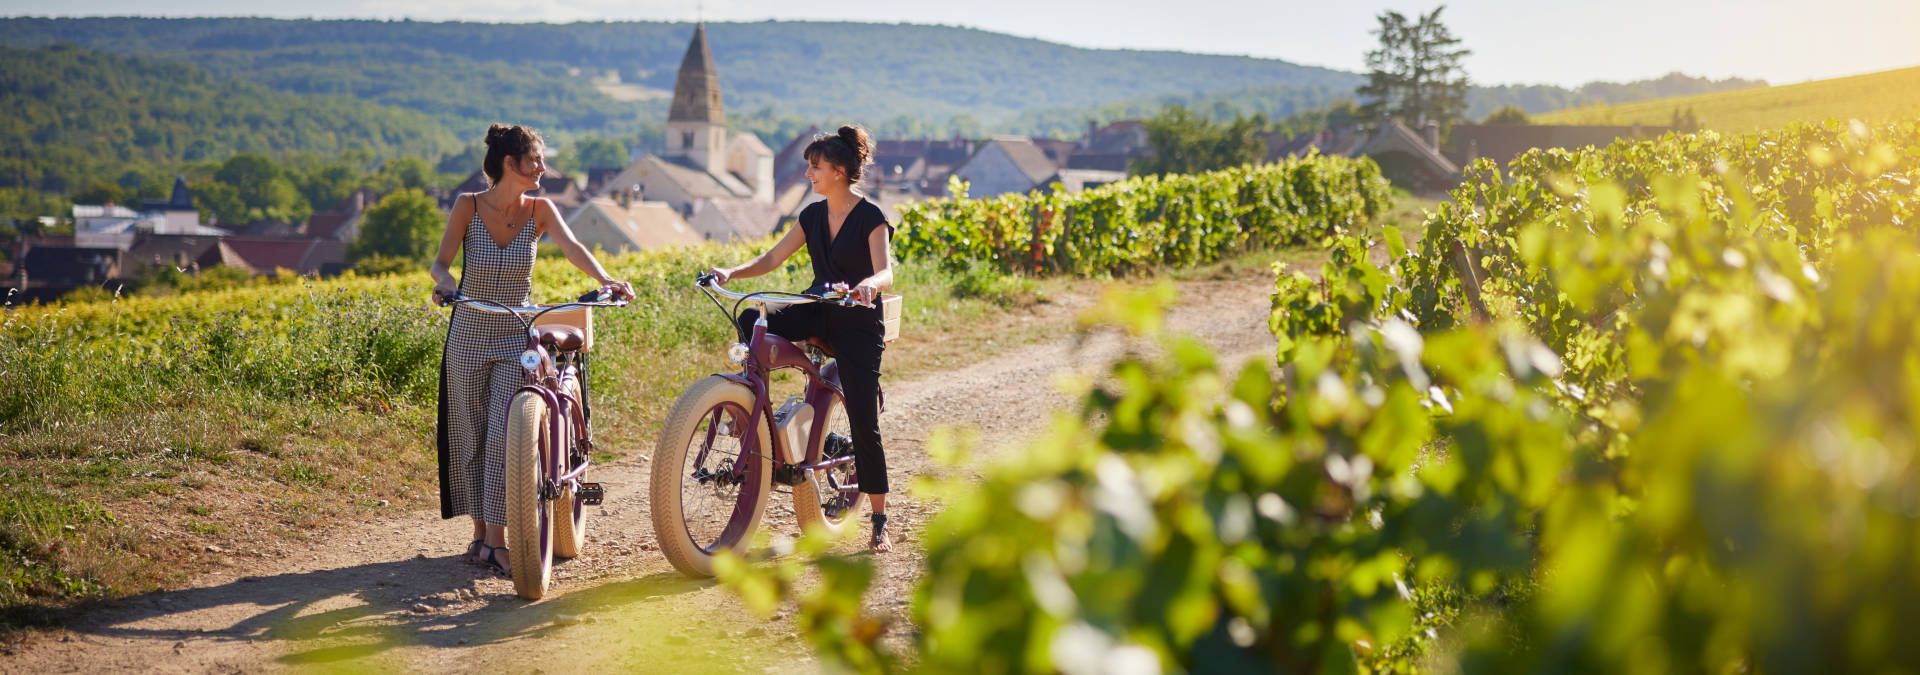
x: 697, y: 124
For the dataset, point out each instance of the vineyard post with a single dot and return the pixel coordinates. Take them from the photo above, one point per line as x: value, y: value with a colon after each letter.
x: 1042, y: 221
x: 1469, y: 281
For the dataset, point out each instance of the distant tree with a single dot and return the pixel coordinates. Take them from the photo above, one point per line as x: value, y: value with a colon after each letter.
x: 404, y: 224
x: 463, y: 162
x: 22, y: 208
x: 1507, y: 114
x: 100, y: 192
x: 1684, y: 121
x: 407, y: 173
x: 1345, y: 113
x: 325, y: 185
x: 263, y: 188
x: 219, y: 203
x: 1415, y: 75
x: 146, y: 183
x: 597, y: 152
x: 1183, y: 142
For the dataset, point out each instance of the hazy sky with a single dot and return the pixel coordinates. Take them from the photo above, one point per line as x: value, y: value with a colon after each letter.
x: 1555, y: 41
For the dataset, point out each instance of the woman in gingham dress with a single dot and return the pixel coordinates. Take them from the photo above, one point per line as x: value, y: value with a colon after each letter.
x: 480, y: 368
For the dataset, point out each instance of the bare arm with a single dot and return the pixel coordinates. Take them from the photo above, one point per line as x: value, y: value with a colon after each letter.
x: 442, y: 269
x: 766, y: 262
x: 556, y: 227
x: 880, y: 246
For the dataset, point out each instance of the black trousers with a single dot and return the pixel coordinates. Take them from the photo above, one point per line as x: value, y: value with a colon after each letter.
x: 857, y: 338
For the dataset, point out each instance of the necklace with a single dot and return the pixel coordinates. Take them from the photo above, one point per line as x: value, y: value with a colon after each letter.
x: 512, y: 223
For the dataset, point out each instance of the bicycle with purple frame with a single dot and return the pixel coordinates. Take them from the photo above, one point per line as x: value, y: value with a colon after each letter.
x: 725, y: 448
x: 549, y: 442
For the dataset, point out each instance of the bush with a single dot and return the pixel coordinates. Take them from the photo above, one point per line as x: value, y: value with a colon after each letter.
x: 1147, y: 222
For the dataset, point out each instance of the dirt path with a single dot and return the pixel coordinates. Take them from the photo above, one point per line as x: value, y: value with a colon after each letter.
x: 390, y: 596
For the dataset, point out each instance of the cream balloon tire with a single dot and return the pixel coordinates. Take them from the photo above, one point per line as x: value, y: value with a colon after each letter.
x: 529, y: 539
x: 569, y: 515
x: 806, y: 500
x: 691, y: 415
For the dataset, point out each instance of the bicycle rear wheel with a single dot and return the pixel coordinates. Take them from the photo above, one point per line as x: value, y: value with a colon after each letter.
x: 529, y: 518
x: 569, y: 515
x: 820, y: 503
x: 707, y: 492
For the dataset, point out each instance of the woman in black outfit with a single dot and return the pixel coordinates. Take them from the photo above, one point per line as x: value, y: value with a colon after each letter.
x: 849, y: 240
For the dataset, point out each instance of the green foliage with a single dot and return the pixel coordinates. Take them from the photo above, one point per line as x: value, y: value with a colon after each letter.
x: 1508, y: 114
x: 1148, y: 221
x: 100, y: 191
x: 1727, y: 322
x: 557, y: 77
x: 406, y: 173
x: 375, y: 265
x: 1415, y: 74
x: 596, y: 152
x: 77, y: 116
x: 326, y: 185
x: 981, y: 280
x: 830, y: 611
x: 263, y: 190
x: 167, y: 280
x: 405, y: 224
x: 1189, y: 519
x: 22, y: 208
x: 1182, y: 142
x: 1674, y: 430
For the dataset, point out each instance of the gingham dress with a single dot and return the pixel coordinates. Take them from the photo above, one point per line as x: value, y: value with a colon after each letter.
x: 479, y: 373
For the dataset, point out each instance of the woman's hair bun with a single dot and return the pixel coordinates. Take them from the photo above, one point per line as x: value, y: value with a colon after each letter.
x: 497, y: 132
x: 857, y: 139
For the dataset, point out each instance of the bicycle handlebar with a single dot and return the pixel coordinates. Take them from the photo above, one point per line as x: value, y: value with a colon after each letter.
x: 527, y: 313
x: 836, y: 294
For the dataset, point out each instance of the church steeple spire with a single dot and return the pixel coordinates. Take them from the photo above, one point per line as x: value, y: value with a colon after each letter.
x: 696, y: 93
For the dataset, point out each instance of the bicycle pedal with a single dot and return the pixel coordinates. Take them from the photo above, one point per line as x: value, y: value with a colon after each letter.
x: 591, y: 493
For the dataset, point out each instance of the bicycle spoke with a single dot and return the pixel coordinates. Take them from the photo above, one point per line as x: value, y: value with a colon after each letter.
x: 709, y: 482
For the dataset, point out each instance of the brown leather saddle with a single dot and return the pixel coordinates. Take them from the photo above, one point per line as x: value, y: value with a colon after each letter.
x: 560, y: 337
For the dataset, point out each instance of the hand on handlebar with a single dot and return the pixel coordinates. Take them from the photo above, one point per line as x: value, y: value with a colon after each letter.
x: 715, y: 276
x: 620, y: 289
x: 866, y: 293
x: 444, y: 296
x: 850, y: 297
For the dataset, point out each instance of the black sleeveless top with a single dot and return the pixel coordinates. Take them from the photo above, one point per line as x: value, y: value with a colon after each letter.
x: 848, y: 257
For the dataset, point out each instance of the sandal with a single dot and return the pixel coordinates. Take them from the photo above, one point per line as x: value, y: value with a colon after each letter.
x: 492, y: 559
x: 472, y: 556
x: 879, y: 543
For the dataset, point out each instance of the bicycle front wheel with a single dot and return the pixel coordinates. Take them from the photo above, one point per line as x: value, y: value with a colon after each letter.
x: 529, y: 518
x: 707, y: 491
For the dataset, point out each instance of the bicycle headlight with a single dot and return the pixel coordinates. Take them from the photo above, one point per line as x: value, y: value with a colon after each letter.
x: 530, y: 360
x: 737, y: 353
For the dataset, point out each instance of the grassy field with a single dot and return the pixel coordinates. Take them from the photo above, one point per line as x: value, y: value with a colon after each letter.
x: 1873, y: 97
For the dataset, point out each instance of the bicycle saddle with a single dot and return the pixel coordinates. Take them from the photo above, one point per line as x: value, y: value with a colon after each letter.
x: 559, y: 337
